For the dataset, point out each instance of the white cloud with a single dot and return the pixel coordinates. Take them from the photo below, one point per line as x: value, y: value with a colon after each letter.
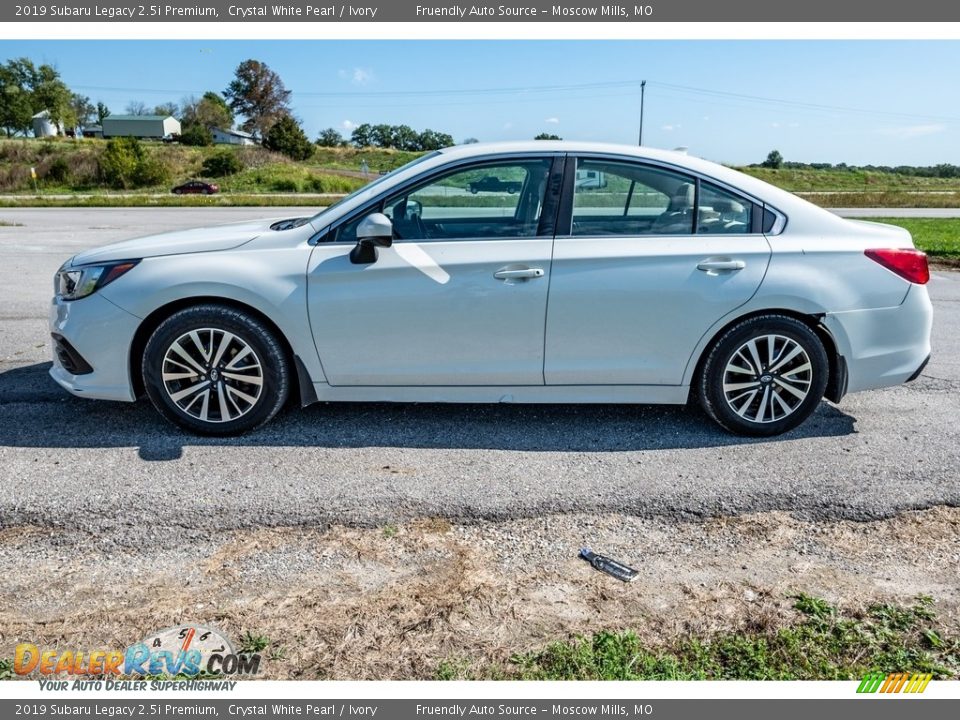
x: 706, y: 117
x: 507, y: 125
x: 553, y: 120
x: 358, y: 75
x: 670, y: 128
x: 912, y: 131
x: 774, y: 124
x: 348, y: 125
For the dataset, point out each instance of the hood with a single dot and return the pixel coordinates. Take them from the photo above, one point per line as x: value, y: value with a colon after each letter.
x: 179, y: 242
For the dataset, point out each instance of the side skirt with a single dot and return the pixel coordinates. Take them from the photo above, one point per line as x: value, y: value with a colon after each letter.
x: 574, y: 394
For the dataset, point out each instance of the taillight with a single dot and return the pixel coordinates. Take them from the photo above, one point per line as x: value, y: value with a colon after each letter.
x: 908, y: 263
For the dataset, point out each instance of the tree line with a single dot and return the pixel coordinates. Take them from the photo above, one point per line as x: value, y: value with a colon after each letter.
x: 775, y: 161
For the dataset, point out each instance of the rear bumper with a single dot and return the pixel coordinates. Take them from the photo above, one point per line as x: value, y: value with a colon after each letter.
x: 887, y: 346
x: 100, y: 334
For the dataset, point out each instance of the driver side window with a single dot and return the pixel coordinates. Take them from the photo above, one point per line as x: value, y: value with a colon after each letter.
x: 498, y: 200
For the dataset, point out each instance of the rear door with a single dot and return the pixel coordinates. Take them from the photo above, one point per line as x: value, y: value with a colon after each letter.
x: 646, y: 260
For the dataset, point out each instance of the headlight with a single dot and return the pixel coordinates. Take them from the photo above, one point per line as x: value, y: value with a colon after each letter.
x: 78, y: 282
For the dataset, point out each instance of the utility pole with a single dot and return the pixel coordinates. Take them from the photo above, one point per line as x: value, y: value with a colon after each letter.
x: 643, y: 87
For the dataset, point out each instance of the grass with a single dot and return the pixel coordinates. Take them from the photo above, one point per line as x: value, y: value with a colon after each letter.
x: 865, y: 181
x: 148, y: 200
x: 7, y: 223
x: 824, y: 643
x: 251, y: 643
x: 938, y: 237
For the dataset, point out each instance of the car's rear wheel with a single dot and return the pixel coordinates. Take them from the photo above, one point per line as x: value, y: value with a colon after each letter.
x: 215, y: 370
x: 764, y: 376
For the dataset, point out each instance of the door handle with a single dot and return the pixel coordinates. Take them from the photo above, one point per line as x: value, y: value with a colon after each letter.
x: 518, y: 273
x: 720, y: 265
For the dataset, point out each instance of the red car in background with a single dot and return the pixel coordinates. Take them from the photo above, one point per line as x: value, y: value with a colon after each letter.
x: 196, y: 187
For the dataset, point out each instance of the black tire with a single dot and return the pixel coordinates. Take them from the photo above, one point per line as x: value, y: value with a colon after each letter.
x: 724, y: 354
x: 229, y: 413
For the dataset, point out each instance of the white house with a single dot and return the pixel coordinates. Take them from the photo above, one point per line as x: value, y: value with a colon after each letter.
x: 232, y: 137
x: 43, y: 126
x: 140, y: 126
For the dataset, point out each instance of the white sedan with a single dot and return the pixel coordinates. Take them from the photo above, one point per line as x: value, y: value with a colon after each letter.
x: 538, y: 272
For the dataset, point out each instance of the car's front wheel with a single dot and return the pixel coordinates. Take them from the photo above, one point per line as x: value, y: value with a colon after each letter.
x: 764, y: 376
x: 215, y: 370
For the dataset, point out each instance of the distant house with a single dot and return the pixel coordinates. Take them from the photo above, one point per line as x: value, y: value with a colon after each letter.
x: 140, y: 126
x: 43, y: 126
x: 232, y: 137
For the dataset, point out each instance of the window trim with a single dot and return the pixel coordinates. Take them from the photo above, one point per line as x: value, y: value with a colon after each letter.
x: 376, y: 204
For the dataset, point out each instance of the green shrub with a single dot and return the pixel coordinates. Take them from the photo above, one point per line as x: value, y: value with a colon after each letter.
x: 196, y: 135
x: 118, y: 163
x: 222, y: 163
x: 285, y: 185
x: 150, y: 171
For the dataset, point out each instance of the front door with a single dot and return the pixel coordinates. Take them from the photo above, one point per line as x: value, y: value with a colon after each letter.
x: 459, y: 299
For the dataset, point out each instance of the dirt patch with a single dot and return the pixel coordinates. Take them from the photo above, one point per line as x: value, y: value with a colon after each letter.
x: 394, y: 602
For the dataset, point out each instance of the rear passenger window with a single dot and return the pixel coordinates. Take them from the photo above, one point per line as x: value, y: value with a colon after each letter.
x: 613, y: 198
x: 723, y: 212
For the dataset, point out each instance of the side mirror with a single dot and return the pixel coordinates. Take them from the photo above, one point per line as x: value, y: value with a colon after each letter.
x: 374, y: 231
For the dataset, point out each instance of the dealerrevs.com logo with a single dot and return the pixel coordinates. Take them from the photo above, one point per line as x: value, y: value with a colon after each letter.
x: 184, y: 650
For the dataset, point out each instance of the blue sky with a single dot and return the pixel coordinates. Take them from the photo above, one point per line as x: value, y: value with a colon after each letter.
x: 860, y: 102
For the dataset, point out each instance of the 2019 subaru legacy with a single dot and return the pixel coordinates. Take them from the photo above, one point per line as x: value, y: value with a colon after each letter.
x: 488, y: 273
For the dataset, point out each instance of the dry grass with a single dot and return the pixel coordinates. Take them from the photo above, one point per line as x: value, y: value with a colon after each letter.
x: 349, y: 603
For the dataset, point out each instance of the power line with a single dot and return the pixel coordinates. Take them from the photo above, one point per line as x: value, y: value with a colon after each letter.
x: 619, y: 88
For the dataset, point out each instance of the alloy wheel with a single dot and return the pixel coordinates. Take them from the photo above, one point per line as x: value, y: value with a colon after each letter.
x: 212, y: 375
x: 767, y: 378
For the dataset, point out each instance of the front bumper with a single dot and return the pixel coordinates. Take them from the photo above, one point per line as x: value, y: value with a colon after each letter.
x: 101, y: 334
x: 887, y: 346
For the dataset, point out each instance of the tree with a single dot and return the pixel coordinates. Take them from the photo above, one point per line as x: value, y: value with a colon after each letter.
x: 196, y: 135
x: 547, y: 136
x: 16, y: 103
x: 26, y: 90
x: 362, y: 135
x: 135, y: 107
x: 470, y: 141
x: 381, y: 135
x: 52, y: 95
x: 405, y: 138
x: 287, y: 137
x: 210, y: 111
x: 330, y: 137
x: 433, y: 140
x: 83, y: 109
x: 167, y: 108
x: 774, y: 160
x: 258, y: 93
x: 103, y: 112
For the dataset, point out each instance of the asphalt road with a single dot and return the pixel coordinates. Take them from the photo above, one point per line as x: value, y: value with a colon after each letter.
x: 120, y: 473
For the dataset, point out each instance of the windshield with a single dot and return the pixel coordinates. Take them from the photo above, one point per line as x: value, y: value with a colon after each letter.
x: 382, y: 178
